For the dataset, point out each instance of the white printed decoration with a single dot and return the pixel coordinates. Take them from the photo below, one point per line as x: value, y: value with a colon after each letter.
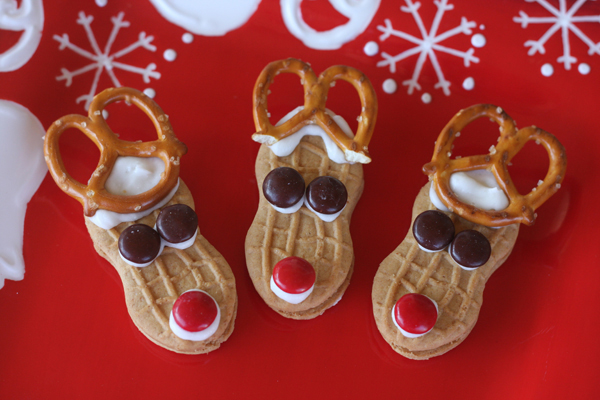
x: 359, y: 13
x: 207, y: 17
x: 565, y: 20
x: 22, y: 154
x: 28, y: 18
x: 427, y: 45
x: 216, y: 18
x: 105, y: 60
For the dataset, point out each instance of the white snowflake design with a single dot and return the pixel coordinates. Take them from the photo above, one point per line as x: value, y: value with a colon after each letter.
x: 104, y: 60
x: 427, y: 45
x: 563, y: 19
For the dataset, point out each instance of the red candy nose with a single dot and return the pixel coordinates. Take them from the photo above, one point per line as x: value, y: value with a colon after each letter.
x: 415, y: 313
x: 294, y: 275
x: 194, y: 311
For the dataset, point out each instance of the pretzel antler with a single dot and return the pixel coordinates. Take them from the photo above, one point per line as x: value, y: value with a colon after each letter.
x: 94, y: 195
x: 315, y: 96
x: 521, y: 208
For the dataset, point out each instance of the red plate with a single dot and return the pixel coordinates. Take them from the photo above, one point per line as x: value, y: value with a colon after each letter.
x: 65, y: 330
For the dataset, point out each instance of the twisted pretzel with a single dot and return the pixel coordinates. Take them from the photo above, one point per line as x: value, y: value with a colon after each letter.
x: 315, y: 96
x: 521, y: 208
x: 94, y: 195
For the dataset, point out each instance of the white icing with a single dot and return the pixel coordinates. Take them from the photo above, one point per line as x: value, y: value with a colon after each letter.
x: 435, y: 200
x: 324, y: 217
x: 292, y: 209
x: 101, y: 3
x: 200, y: 335
x: 170, y: 55
x: 359, y: 12
x: 181, y: 246
x: 426, y: 98
x: 338, y: 300
x: 547, y: 69
x: 468, y: 83
x: 286, y: 146
x: 413, y: 335
x: 478, y: 188
x: 23, y: 169
x: 207, y: 17
x: 371, y: 48
x: 134, y: 175
x: 292, y: 298
x: 462, y: 266
x: 428, y: 250
x: 389, y: 86
x: 109, y: 219
x: 478, y: 40
x: 28, y: 18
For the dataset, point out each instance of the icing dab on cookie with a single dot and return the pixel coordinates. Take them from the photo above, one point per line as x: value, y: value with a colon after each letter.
x: 134, y: 175
x: 286, y: 146
x: 109, y: 219
x: 478, y: 188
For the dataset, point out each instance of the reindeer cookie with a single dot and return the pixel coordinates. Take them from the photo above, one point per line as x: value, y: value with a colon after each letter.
x: 309, y: 172
x: 427, y: 294
x: 180, y: 292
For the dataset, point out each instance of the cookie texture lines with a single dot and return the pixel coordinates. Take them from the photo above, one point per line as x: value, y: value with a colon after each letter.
x: 326, y: 245
x: 459, y: 293
x: 151, y: 291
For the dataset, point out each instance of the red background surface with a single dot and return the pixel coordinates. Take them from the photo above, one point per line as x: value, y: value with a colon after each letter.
x: 65, y: 331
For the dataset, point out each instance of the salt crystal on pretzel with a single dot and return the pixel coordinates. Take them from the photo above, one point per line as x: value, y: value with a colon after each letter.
x: 314, y: 112
x: 94, y: 195
x: 521, y: 207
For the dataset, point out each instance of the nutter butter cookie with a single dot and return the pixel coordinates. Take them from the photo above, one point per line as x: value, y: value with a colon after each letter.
x: 451, y: 269
x: 135, y: 187
x: 312, y: 154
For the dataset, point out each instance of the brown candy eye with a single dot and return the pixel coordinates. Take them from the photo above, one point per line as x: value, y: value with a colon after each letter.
x: 139, y: 243
x: 470, y: 249
x: 326, y: 195
x: 177, y: 223
x: 283, y: 187
x: 433, y: 230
